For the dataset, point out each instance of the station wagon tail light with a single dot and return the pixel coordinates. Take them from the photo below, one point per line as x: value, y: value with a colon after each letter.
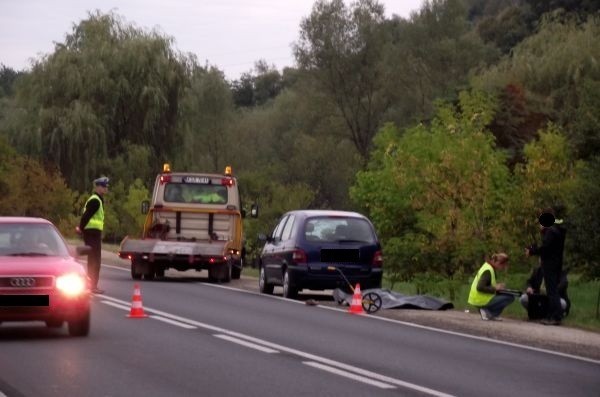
x: 165, y: 179
x: 377, y: 259
x: 71, y: 284
x: 299, y: 256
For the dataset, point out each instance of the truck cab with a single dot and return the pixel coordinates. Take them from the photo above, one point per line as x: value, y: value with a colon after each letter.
x: 193, y: 221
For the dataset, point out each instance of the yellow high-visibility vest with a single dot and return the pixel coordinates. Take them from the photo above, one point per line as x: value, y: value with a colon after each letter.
x: 477, y: 298
x: 97, y: 220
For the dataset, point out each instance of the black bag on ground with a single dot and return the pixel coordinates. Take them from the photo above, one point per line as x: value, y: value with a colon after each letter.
x: 537, y: 307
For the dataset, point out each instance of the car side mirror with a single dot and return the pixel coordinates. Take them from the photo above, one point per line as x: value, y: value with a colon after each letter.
x: 264, y: 238
x: 145, y: 207
x: 254, y: 211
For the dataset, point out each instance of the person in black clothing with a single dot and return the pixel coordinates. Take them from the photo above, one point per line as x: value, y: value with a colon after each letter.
x: 91, y: 226
x: 551, y: 260
x: 534, y: 286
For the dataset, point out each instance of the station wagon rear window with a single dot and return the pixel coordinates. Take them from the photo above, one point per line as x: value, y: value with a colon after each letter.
x: 195, y: 192
x: 338, y: 229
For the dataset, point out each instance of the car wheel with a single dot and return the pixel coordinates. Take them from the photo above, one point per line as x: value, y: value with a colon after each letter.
x: 80, y: 326
x: 54, y: 323
x: 263, y: 286
x: 135, y: 271
x: 289, y: 290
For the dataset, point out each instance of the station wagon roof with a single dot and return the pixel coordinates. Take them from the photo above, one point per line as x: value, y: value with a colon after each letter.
x: 314, y: 213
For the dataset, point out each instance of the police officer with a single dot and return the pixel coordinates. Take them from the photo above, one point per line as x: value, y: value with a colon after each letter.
x: 91, y: 226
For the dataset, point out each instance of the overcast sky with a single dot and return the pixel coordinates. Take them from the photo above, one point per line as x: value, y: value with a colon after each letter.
x: 230, y: 34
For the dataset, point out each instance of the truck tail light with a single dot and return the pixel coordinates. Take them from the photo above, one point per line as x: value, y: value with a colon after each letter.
x: 299, y: 257
x: 165, y: 179
x: 377, y: 259
x: 227, y: 181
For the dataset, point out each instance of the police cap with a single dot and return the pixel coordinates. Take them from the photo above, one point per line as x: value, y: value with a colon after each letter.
x: 102, y: 181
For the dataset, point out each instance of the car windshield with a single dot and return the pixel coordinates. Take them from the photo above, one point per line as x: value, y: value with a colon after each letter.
x: 338, y: 229
x: 195, y: 193
x: 31, y: 239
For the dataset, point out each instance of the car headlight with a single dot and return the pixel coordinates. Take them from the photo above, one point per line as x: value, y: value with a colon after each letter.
x: 71, y: 284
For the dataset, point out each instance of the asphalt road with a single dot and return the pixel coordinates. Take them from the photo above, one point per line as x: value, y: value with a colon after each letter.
x: 212, y: 340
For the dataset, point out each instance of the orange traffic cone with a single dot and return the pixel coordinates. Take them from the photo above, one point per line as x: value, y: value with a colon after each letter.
x: 137, y: 311
x: 356, y: 305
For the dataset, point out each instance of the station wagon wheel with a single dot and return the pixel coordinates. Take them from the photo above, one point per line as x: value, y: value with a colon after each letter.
x: 371, y: 302
x: 289, y: 291
x: 263, y: 286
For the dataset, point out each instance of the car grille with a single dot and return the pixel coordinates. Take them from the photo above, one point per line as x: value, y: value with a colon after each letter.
x: 26, y: 282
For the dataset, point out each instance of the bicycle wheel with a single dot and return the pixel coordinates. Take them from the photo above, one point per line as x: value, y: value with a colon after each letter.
x: 371, y: 302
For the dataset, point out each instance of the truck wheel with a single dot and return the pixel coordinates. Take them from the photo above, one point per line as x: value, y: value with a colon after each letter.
x: 228, y: 271
x: 263, y: 286
x: 289, y: 290
x: 135, y: 270
x: 236, y: 270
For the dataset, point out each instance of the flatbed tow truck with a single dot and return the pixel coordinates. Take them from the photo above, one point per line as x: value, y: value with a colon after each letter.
x: 194, y: 221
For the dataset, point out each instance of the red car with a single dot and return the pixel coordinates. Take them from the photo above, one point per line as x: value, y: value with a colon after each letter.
x: 40, y: 280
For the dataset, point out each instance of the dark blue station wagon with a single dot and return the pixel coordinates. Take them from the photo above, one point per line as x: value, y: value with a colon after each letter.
x: 309, y: 248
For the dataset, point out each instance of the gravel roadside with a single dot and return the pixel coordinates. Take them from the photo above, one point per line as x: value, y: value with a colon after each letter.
x: 561, y: 339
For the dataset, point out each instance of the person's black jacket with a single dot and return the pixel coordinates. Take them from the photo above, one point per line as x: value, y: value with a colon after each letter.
x: 552, y: 248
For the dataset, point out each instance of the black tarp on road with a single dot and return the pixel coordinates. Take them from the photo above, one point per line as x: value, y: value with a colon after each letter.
x: 396, y: 300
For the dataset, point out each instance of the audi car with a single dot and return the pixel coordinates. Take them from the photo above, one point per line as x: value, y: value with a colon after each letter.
x: 40, y: 277
x: 318, y: 250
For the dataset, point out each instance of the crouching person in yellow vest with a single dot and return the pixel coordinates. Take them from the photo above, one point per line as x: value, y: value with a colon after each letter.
x: 484, y: 289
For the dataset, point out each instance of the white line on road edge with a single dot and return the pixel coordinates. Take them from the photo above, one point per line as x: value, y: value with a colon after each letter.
x: 173, y: 322
x: 247, y: 344
x: 348, y: 375
x: 307, y: 356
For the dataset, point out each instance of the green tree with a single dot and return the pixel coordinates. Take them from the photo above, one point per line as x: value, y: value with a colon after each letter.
x: 430, y: 57
x: 558, y: 74
x: 28, y: 189
x: 341, y: 49
x: 206, y: 113
x: 435, y: 193
x: 108, y: 84
x: 547, y: 178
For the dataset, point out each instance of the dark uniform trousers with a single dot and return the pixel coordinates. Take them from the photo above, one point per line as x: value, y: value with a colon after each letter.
x: 93, y: 239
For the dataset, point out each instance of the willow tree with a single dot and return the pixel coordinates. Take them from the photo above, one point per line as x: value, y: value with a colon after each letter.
x: 341, y: 48
x: 107, y: 83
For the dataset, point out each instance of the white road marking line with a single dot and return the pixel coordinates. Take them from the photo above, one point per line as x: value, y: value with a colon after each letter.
x: 308, y: 356
x: 118, y: 305
x: 348, y: 375
x: 173, y: 322
x: 247, y: 344
x: 116, y: 267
